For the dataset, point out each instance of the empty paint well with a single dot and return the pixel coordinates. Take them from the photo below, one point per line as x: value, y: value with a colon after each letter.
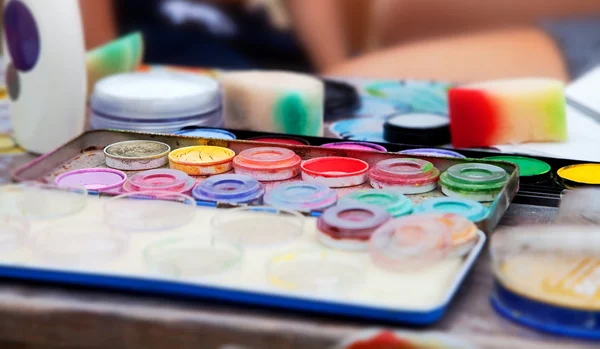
x: 530, y: 170
x: 472, y: 210
x: 349, y: 226
x: 475, y: 181
x: 160, y: 180
x: 409, y: 176
x: 435, y: 152
x: 335, y: 172
x: 100, y: 179
x: 201, y: 160
x: 579, y: 175
x: 136, y: 155
x: 355, y: 146
x: 391, y: 200
x: 267, y: 163
x: 410, y: 243
x: 36, y: 201
x: 301, y: 196
x: 230, y: 188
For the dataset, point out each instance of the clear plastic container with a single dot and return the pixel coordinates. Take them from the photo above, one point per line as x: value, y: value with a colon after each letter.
x: 257, y: 226
x: 36, y: 201
x: 191, y: 257
x: 155, y: 102
x: 13, y: 233
x: 149, y: 211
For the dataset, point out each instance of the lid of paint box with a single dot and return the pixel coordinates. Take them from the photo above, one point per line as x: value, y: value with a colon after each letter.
x: 353, y: 220
x: 405, y: 171
x: 528, y: 167
x: 470, y: 209
x: 233, y: 188
x: 397, y: 204
x: 280, y: 140
x: 417, y: 128
x: 474, y: 177
x: 202, y: 132
x: 301, y: 196
x: 410, y: 243
x: 266, y: 158
x: 432, y: 152
x: 159, y: 179
x: 92, y: 179
x: 155, y: 96
x: 355, y: 146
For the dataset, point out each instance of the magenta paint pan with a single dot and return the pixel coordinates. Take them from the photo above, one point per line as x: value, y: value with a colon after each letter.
x: 355, y: 146
x: 409, y: 176
x: 100, y: 179
x: 267, y: 163
x: 301, y: 196
x: 160, y: 180
x: 350, y: 226
x: 335, y: 171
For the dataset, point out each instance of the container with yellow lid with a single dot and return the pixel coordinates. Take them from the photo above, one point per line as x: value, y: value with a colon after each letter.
x: 548, y: 278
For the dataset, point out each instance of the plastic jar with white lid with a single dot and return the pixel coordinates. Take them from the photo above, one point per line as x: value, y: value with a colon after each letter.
x: 161, y: 102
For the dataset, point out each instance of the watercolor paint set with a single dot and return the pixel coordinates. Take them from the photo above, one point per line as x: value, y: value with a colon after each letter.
x: 353, y: 232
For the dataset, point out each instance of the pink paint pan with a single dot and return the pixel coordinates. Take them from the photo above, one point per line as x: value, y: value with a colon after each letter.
x: 409, y: 176
x: 161, y: 180
x: 267, y: 163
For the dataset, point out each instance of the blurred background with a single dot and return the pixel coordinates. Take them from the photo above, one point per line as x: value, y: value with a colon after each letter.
x: 457, y: 40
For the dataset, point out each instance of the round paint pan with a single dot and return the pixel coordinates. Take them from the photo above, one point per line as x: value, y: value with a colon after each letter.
x: 160, y: 180
x: 581, y: 175
x: 213, y: 133
x: 149, y: 211
x: 417, y: 128
x: 410, y: 243
x: 78, y: 244
x: 313, y: 271
x: 349, y: 226
x: 267, y: 163
x: 201, y: 160
x: 472, y: 210
x: 391, y: 200
x: 97, y: 179
x: 433, y: 152
x: 335, y: 172
x: 287, y: 140
x: 355, y: 146
x: 191, y: 257
x: 408, y: 176
x: 230, y: 188
x: 474, y: 181
x: 463, y: 232
x: 257, y: 226
x: 13, y: 233
x: 301, y: 196
x: 530, y: 170
x: 36, y: 201
x: 136, y: 155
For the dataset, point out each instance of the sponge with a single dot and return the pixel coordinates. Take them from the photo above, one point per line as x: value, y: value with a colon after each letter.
x: 507, y: 111
x: 273, y: 101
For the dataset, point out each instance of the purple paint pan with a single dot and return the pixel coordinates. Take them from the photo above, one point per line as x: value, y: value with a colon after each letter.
x: 100, y: 179
x: 355, y: 146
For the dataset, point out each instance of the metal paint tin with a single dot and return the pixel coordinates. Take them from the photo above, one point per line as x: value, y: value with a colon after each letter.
x: 280, y: 140
x: 230, y: 188
x: 409, y: 176
x: 335, y: 172
x: 161, y: 180
x: 355, y: 146
x: 472, y: 210
x: 434, y: 152
x: 301, y: 196
x: 100, y: 179
x: 201, y: 160
x: 349, y: 226
x: 267, y: 163
x: 391, y: 200
x: 410, y: 243
x: 136, y: 155
x: 475, y: 181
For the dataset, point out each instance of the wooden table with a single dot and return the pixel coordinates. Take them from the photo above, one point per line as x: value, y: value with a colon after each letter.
x: 56, y: 317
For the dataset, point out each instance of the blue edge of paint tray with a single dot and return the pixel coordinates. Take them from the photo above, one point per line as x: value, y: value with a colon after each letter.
x: 181, y: 289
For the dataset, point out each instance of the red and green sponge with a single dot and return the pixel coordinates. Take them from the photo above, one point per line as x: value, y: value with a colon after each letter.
x: 507, y: 112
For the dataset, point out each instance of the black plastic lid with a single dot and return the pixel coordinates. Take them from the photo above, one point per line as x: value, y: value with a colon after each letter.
x: 417, y: 128
x: 340, y: 98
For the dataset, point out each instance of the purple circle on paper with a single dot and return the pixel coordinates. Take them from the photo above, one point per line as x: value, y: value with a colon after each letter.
x: 92, y: 179
x: 13, y: 82
x: 22, y: 35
